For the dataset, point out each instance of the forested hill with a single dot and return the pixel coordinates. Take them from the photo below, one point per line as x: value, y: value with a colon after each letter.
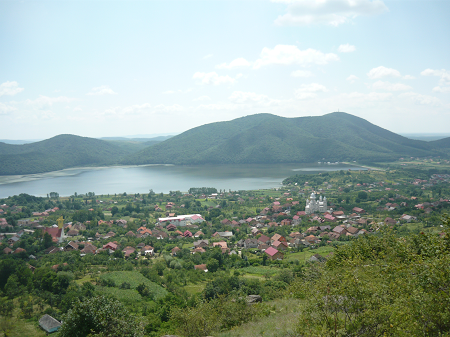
x: 60, y: 152
x: 262, y: 138
x: 266, y: 138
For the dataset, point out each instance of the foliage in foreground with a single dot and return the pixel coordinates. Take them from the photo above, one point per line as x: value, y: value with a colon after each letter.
x: 380, y: 286
x: 100, y: 316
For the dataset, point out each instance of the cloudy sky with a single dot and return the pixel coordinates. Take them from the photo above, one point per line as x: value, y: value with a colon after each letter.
x: 117, y: 68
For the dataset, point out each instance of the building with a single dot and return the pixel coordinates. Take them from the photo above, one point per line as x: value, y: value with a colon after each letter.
x: 313, y: 205
x: 49, y: 324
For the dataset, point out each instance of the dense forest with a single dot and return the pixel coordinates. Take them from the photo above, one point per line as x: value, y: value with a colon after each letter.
x: 256, y: 139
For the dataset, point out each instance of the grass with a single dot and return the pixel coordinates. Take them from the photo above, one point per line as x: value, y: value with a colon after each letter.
x: 193, y: 289
x: 24, y: 328
x: 280, y: 323
x: 260, y: 270
x: 128, y: 296
x: 306, y: 254
x: 135, y: 278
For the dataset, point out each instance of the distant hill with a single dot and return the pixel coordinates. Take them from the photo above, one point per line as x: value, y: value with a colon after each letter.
x: 266, y: 138
x: 60, y: 152
x: 262, y: 138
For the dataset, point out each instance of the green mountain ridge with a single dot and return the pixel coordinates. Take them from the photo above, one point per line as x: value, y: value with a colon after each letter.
x: 57, y: 153
x: 266, y: 138
x: 254, y: 139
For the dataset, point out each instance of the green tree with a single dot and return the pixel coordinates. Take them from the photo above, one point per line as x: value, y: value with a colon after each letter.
x: 100, y: 316
x: 212, y: 265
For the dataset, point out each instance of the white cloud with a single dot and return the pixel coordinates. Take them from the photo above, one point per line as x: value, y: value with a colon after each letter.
x: 214, y: 79
x: 352, y: 78
x: 245, y: 97
x: 168, y: 92
x: 10, y: 88
x: 441, y: 89
x: 239, y: 62
x: 289, y: 54
x: 391, y: 86
x: 444, y: 79
x: 45, y: 101
x: 4, y: 109
x: 202, y: 98
x: 372, y: 96
x: 207, y: 56
x: 381, y: 72
x: 136, y: 109
x: 346, y: 48
x: 101, y: 90
x: 169, y: 108
x: 302, y: 73
x: 331, y: 12
x: 307, y: 91
x: 421, y: 99
x: 409, y: 77
x: 304, y: 95
x: 312, y: 87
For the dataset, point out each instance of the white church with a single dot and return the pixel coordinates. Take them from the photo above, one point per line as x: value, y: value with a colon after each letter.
x: 313, y: 205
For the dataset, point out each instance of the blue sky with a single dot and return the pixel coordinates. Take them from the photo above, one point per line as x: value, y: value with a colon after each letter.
x: 116, y: 68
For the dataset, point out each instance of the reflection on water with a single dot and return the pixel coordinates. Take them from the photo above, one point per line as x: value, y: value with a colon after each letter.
x: 160, y: 178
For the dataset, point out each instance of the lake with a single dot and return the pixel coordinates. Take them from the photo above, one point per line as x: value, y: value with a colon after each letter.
x: 160, y: 178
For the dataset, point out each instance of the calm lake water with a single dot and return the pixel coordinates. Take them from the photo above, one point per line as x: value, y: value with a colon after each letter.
x: 160, y: 178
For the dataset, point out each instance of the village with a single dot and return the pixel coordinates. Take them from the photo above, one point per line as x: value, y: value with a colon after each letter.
x: 186, y: 241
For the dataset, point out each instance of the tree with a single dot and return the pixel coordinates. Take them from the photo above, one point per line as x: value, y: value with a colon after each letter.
x: 212, y: 265
x: 114, y: 210
x: 362, y: 195
x: 100, y: 316
x: 47, y: 241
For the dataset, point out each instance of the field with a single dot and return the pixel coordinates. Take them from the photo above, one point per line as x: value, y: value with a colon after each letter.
x: 128, y: 296
x: 306, y: 254
x: 134, y: 278
x: 280, y: 322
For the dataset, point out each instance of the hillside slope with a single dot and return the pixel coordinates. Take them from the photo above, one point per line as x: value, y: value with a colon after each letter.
x: 59, y: 152
x: 266, y: 138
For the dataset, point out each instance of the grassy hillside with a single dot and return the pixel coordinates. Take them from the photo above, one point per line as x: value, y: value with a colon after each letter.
x: 266, y: 138
x: 60, y: 152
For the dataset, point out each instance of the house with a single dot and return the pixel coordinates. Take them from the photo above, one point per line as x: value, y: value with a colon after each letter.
x: 19, y: 250
x: 7, y: 250
x: 198, y: 234
x: 277, y: 237
x: 198, y: 250
x: 334, y: 235
x: 49, y: 324
x: 340, y: 230
x: 175, y: 250
x: 358, y: 210
x: 274, y: 254
x: 72, y: 232
x: 71, y: 246
x: 408, y: 218
x: 201, y: 267
x: 171, y: 227
x: 225, y: 235
x: 128, y: 251
x: 352, y: 230
x: 187, y: 234
x: 201, y: 243
x: 296, y: 220
x: 111, y: 246
x: 89, y: 249
x: 251, y: 243
x: 389, y: 221
x: 130, y: 234
x: 12, y: 240
x: 221, y: 244
x: 147, y: 250
x: 264, y: 239
x: 279, y: 245
x: 312, y: 239
x: 317, y: 258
